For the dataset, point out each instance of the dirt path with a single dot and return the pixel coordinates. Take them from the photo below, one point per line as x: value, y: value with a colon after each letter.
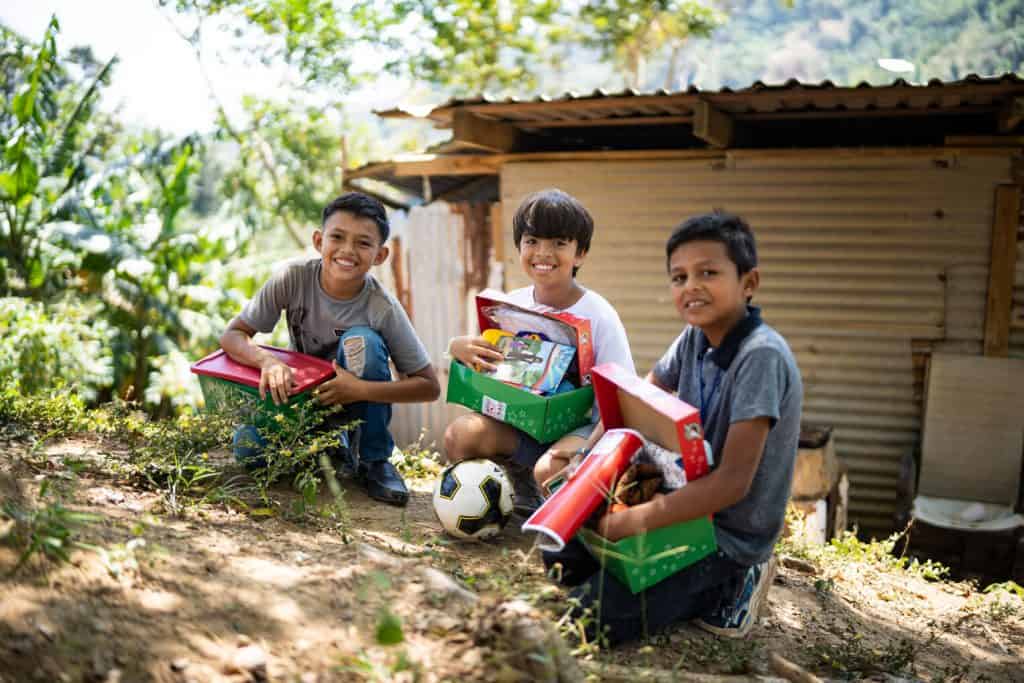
x: 220, y: 595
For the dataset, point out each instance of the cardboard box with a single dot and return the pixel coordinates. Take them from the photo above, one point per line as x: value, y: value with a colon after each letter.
x: 625, y: 400
x: 545, y: 418
x: 226, y: 382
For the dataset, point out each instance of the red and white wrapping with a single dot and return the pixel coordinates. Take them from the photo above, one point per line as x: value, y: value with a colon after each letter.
x: 562, y: 515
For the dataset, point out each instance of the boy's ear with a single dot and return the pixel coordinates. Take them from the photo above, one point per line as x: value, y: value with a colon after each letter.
x: 318, y: 239
x: 382, y: 255
x: 581, y: 256
x: 751, y: 280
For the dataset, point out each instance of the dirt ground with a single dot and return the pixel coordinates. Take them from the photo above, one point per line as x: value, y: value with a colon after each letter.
x: 223, y: 595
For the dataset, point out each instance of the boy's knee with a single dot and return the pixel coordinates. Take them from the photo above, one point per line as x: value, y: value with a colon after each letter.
x: 362, y: 351
x: 452, y: 441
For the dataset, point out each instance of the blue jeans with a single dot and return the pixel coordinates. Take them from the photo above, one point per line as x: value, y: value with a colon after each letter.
x: 362, y: 352
x: 696, y: 591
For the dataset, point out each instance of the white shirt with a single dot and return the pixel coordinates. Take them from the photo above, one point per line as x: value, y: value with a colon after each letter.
x: 606, y: 329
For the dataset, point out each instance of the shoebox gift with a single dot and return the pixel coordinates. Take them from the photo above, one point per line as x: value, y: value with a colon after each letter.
x: 226, y: 383
x: 627, y: 401
x: 534, y: 366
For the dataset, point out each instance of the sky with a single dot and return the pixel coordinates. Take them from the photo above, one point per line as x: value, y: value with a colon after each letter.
x: 157, y: 82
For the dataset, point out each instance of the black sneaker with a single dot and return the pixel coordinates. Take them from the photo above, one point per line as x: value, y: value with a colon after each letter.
x: 383, y: 482
x: 526, y: 495
x: 343, y: 458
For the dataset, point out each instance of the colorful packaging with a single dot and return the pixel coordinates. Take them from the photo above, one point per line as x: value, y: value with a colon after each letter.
x: 531, y: 364
x: 626, y: 400
x: 545, y: 418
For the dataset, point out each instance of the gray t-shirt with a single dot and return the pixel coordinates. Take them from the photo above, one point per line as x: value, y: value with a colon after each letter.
x: 751, y: 374
x: 316, y: 320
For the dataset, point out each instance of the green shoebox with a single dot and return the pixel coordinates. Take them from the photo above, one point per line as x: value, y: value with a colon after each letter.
x: 227, y: 384
x: 544, y: 418
x: 645, y: 559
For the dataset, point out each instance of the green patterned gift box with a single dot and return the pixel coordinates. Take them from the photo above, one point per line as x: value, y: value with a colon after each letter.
x: 544, y: 418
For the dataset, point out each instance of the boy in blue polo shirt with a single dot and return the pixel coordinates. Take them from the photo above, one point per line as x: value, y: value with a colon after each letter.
x: 742, y: 376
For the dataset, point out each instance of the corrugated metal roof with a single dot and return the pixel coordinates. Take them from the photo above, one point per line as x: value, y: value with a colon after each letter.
x: 759, y: 97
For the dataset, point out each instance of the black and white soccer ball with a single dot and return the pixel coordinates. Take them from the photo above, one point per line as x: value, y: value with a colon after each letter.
x: 473, y: 499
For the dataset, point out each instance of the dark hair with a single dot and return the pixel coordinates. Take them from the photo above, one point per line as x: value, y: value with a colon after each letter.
x: 362, y: 206
x: 717, y: 226
x: 552, y: 214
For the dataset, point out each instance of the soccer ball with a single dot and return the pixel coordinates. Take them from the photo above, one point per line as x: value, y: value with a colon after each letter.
x: 473, y: 499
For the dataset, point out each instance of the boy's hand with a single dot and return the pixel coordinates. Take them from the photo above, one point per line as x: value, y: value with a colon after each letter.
x: 343, y: 388
x: 475, y: 352
x: 629, y: 522
x: 278, y: 379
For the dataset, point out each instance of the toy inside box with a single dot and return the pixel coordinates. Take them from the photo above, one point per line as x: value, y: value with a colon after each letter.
x: 544, y: 417
x: 226, y: 382
x: 626, y: 400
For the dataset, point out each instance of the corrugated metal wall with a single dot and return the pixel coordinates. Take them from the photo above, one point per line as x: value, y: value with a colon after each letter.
x: 869, y: 260
x: 432, y: 239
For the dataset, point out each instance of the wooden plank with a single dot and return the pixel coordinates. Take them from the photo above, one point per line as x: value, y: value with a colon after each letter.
x: 1002, y: 263
x: 619, y: 121
x: 487, y: 133
x: 712, y: 126
x: 1011, y: 114
x: 433, y: 164
x: 985, y: 141
x: 497, y: 237
x: 973, y: 429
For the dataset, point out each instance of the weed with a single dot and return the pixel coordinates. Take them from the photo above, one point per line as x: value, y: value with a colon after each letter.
x: 379, y: 668
x: 418, y: 460
x: 48, y: 531
x: 852, y: 657
x: 847, y: 549
x: 730, y: 656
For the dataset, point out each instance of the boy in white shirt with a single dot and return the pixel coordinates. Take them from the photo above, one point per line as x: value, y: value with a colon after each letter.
x: 552, y: 232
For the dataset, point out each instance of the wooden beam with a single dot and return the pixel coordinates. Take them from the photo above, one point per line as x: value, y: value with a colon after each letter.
x: 653, y: 120
x: 490, y: 164
x: 711, y: 125
x: 459, y: 164
x: 1011, y: 114
x: 487, y: 133
x: 1001, y: 270
x: 985, y: 141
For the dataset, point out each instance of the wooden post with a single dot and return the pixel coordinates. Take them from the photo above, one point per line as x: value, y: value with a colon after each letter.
x: 1002, y: 263
x: 712, y: 125
x: 487, y: 133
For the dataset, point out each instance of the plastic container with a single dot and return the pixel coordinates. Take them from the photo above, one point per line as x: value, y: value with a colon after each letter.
x: 226, y: 382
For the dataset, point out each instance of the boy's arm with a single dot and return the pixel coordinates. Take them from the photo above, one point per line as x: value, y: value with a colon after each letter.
x: 416, y: 387
x: 275, y: 376
x: 726, y: 486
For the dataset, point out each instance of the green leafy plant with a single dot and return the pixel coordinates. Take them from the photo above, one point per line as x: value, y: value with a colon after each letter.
x: 48, y: 531
x: 852, y: 657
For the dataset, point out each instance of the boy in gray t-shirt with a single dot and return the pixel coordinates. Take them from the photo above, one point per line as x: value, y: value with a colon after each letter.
x: 335, y: 309
x: 742, y: 376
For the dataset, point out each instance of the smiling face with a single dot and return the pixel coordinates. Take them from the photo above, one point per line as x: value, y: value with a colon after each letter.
x: 548, y: 262
x: 349, y: 246
x: 707, y: 289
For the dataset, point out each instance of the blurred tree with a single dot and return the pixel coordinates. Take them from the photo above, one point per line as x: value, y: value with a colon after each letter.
x: 631, y: 32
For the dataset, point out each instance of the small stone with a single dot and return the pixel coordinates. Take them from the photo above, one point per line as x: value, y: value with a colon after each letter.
x: 249, y: 658
x: 46, y: 630
x: 179, y: 664
x: 309, y: 677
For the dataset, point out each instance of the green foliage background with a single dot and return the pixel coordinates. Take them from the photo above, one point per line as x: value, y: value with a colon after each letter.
x: 125, y: 251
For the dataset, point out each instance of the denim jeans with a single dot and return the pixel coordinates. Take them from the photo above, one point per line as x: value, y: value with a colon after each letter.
x: 696, y: 591
x: 362, y: 352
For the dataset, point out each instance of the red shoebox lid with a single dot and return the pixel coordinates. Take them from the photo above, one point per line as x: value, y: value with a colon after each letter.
x: 625, y: 400
x: 309, y: 370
